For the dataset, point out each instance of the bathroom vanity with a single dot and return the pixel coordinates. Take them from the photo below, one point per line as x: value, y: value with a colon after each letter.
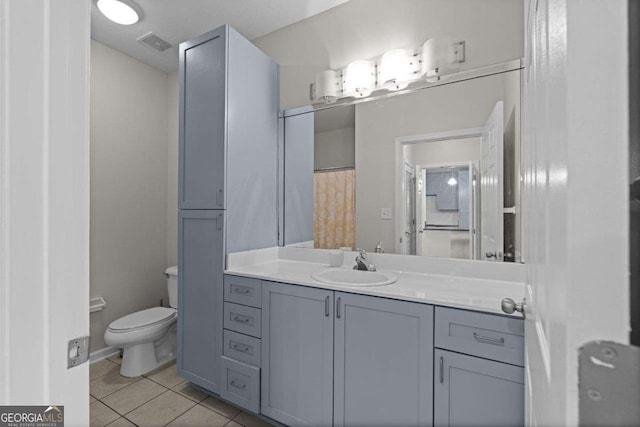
x: 425, y: 349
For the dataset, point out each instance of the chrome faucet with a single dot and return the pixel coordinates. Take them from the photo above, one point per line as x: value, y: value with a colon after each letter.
x: 361, y: 262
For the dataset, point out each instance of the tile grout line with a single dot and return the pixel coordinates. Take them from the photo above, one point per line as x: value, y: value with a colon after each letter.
x: 122, y: 415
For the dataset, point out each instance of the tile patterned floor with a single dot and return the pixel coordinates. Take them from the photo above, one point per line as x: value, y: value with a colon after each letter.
x: 158, y: 399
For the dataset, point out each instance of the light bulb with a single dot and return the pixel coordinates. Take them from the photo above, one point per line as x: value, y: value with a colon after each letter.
x: 452, y: 181
x: 395, y: 69
x: 359, y: 79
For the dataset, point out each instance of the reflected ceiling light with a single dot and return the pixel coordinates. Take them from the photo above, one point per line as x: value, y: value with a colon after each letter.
x: 395, y: 69
x: 359, y: 79
x: 327, y: 86
x: 452, y: 181
x: 123, y: 12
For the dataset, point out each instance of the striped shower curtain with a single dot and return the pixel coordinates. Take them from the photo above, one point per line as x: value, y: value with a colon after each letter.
x: 334, y: 214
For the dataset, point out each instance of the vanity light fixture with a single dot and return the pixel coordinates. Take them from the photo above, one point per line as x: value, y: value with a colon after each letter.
x: 123, y: 12
x: 395, y: 69
x: 392, y: 71
x: 327, y: 86
x: 440, y: 56
x: 359, y: 79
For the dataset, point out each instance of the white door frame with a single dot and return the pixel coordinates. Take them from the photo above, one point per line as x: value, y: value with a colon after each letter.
x: 44, y: 202
x: 401, y: 141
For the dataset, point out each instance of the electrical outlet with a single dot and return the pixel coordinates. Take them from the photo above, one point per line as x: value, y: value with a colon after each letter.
x: 385, y: 213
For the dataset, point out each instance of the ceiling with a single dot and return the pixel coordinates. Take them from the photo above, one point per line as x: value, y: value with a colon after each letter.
x: 178, y: 20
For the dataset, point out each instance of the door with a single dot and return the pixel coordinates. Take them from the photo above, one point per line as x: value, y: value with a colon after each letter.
x: 491, y: 186
x: 200, y: 289
x: 470, y: 391
x: 409, y: 237
x: 383, y: 362
x: 297, y: 354
x: 44, y: 195
x: 577, y: 287
x: 202, y: 122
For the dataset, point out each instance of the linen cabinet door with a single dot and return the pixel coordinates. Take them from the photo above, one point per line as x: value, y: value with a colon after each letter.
x: 202, y: 137
x: 200, y: 266
x: 383, y: 362
x: 297, y: 354
x: 470, y: 391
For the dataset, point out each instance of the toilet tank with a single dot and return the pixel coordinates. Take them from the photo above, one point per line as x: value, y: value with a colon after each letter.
x: 172, y: 285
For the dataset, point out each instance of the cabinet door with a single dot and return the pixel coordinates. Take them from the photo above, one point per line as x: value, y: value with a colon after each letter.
x: 200, y: 278
x: 383, y: 362
x: 202, y: 121
x: 297, y: 354
x: 471, y: 391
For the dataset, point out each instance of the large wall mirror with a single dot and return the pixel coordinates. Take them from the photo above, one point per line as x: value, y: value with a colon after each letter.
x: 431, y: 172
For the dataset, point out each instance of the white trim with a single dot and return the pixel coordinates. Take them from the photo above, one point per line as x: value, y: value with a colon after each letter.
x: 440, y: 136
x: 399, y: 142
x: 5, y: 361
x: 103, y: 353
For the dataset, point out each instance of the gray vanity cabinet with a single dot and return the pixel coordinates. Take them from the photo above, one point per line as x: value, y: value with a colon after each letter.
x: 297, y: 354
x: 383, y: 362
x: 471, y: 391
x: 227, y: 169
x: 201, y: 257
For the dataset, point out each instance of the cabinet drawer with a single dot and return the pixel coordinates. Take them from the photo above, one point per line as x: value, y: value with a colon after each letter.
x: 485, y: 335
x: 242, y: 290
x: 243, y: 319
x: 242, y: 347
x: 240, y: 384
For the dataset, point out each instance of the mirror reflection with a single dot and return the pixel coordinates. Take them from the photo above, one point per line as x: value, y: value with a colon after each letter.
x: 434, y: 172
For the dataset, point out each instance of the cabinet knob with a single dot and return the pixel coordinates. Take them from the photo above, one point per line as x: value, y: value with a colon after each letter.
x: 509, y: 306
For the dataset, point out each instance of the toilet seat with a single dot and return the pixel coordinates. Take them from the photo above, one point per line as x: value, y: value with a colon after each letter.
x: 155, y: 316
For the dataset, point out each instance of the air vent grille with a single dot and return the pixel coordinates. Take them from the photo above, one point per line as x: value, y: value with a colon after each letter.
x: 154, y: 42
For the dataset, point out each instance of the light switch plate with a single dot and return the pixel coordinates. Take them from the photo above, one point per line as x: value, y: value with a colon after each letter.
x: 385, y: 213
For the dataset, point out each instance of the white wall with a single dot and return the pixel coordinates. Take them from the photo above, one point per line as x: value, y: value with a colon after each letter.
x: 444, y: 152
x: 334, y: 149
x: 361, y: 29
x: 128, y: 186
x: 172, y: 167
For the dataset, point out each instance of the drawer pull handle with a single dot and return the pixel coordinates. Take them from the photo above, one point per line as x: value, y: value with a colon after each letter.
x: 239, y: 290
x: 490, y: 340
x: 240, y: 347
x: 241, y: 319
x: 441, y: 369
x: 237, y: 385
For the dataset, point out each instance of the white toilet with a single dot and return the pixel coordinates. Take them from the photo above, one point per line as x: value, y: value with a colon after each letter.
x: 147, y: 337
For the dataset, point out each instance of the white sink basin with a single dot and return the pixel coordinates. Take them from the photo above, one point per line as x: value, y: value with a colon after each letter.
x: 345, y: 277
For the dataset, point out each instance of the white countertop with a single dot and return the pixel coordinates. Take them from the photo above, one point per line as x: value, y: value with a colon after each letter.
x: 480, y: 294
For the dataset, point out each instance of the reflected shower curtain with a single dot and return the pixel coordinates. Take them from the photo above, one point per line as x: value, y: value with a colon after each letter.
x: 334, y: 209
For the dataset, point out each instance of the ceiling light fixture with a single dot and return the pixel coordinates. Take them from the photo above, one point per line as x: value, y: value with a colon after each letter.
x: 452, y: 181
x: 123, y: 12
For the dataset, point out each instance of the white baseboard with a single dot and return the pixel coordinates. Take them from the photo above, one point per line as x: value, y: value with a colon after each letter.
x: 103, y: 353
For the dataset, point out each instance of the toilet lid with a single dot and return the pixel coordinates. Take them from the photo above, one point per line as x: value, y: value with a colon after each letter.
x: 143, y: 318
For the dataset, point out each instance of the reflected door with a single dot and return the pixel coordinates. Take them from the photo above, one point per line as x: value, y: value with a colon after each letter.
x: 410, y: 210
x: 491, y: 186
